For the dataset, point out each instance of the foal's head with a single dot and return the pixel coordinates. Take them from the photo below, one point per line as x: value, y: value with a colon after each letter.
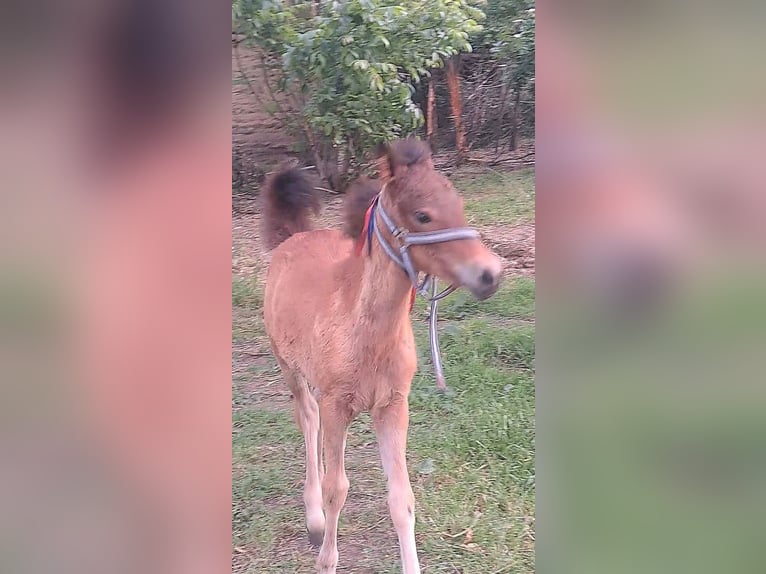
x: 418, y: 198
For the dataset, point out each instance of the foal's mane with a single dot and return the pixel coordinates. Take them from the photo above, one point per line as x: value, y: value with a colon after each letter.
x: 396, y: 158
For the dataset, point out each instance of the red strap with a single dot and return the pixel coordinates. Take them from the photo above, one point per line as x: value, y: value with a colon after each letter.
x: 360, y: 242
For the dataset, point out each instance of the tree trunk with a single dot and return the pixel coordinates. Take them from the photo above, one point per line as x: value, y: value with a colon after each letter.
x: 326, y: 159
x: 515, y: 120
x: 431, y: 124
x: 503, y: 105
x: 456, y: 103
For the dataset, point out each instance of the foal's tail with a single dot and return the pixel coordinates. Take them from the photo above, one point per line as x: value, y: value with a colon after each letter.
x: 288, y: 200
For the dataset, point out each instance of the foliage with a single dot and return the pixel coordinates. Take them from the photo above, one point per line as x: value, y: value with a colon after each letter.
x: 499, y: 80
x: 512, y: 38
x: 351, y: 66
x: 496, y: 81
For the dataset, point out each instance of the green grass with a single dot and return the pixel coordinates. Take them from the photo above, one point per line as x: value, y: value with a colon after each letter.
x: 470, y: 453
x: 514, y: 300
x: 500, y: 198
x: 246, y: 293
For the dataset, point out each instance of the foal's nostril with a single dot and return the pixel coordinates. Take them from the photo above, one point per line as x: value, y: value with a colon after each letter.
x: 487, y: 278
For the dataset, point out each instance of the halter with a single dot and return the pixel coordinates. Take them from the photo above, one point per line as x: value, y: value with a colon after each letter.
x: 429, y: 286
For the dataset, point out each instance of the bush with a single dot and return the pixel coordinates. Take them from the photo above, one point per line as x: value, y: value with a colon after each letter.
x: 345, y: 71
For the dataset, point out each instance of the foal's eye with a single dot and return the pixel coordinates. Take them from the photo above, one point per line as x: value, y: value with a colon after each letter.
x: 422, y: 217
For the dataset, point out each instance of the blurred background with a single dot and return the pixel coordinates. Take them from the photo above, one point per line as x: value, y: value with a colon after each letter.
x: 650, y: 215
x: 114, y: 286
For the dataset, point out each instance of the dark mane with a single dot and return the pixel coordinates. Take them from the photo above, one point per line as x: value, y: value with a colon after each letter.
x: 355, y: 204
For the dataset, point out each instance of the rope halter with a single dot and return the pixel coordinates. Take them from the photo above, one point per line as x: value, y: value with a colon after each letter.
x: 428, y: 287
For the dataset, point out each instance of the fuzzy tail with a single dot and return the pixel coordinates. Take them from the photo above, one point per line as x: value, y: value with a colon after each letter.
x: 289, y: 199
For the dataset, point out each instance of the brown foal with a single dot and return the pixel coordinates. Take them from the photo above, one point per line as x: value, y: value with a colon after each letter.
x: 338, y: 319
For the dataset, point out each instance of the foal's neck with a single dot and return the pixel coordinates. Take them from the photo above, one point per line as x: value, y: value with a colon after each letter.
x: 385, y: 289
x: 384, y: 294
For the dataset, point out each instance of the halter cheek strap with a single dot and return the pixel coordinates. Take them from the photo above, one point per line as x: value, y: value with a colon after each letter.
x: 428, y: 287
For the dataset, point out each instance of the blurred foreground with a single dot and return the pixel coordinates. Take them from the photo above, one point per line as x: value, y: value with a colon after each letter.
x: 114, y: 287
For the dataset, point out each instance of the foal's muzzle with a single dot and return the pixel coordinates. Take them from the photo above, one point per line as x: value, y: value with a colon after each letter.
x: 481, y: 278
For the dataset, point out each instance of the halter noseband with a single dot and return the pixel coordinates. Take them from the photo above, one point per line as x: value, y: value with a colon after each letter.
x: 428, y: 287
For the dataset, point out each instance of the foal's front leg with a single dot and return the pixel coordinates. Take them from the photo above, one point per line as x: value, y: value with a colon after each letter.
x: 391, y: 424
x: 335, y: 420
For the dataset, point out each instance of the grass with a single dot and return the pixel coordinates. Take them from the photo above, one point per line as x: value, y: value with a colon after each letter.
x: 246, y: 292
x: 501, y: 198
x: 470, y: 453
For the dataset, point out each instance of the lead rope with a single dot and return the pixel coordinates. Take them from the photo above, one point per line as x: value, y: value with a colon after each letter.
x: 433, y: 337
x: 402, y: 259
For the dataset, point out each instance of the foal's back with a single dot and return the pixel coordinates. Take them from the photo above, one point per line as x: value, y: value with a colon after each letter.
x: 302, y: 284
x: 308, y: 292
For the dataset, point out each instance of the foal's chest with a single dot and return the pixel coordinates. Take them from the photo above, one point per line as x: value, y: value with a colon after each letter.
x: 369, y: 363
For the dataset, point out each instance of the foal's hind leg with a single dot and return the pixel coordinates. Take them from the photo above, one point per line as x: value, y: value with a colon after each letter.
x: 307, y: 417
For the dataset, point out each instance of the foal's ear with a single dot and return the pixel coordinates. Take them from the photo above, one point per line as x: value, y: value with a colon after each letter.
x: 397, y: 157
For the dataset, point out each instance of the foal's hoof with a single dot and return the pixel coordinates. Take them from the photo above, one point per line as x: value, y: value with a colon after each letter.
x: 316, y: 537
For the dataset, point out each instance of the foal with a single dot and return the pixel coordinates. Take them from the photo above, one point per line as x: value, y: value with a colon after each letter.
x: 338, y: 317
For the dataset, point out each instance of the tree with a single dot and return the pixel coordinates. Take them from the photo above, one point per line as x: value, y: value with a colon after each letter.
x: 510, y: 37
x: 346, y: 70
x: 456, y: 105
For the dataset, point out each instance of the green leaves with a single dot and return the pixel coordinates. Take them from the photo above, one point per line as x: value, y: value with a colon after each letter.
x: 510, y: 36
x: 355, y: 62
x: 376, y: 81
